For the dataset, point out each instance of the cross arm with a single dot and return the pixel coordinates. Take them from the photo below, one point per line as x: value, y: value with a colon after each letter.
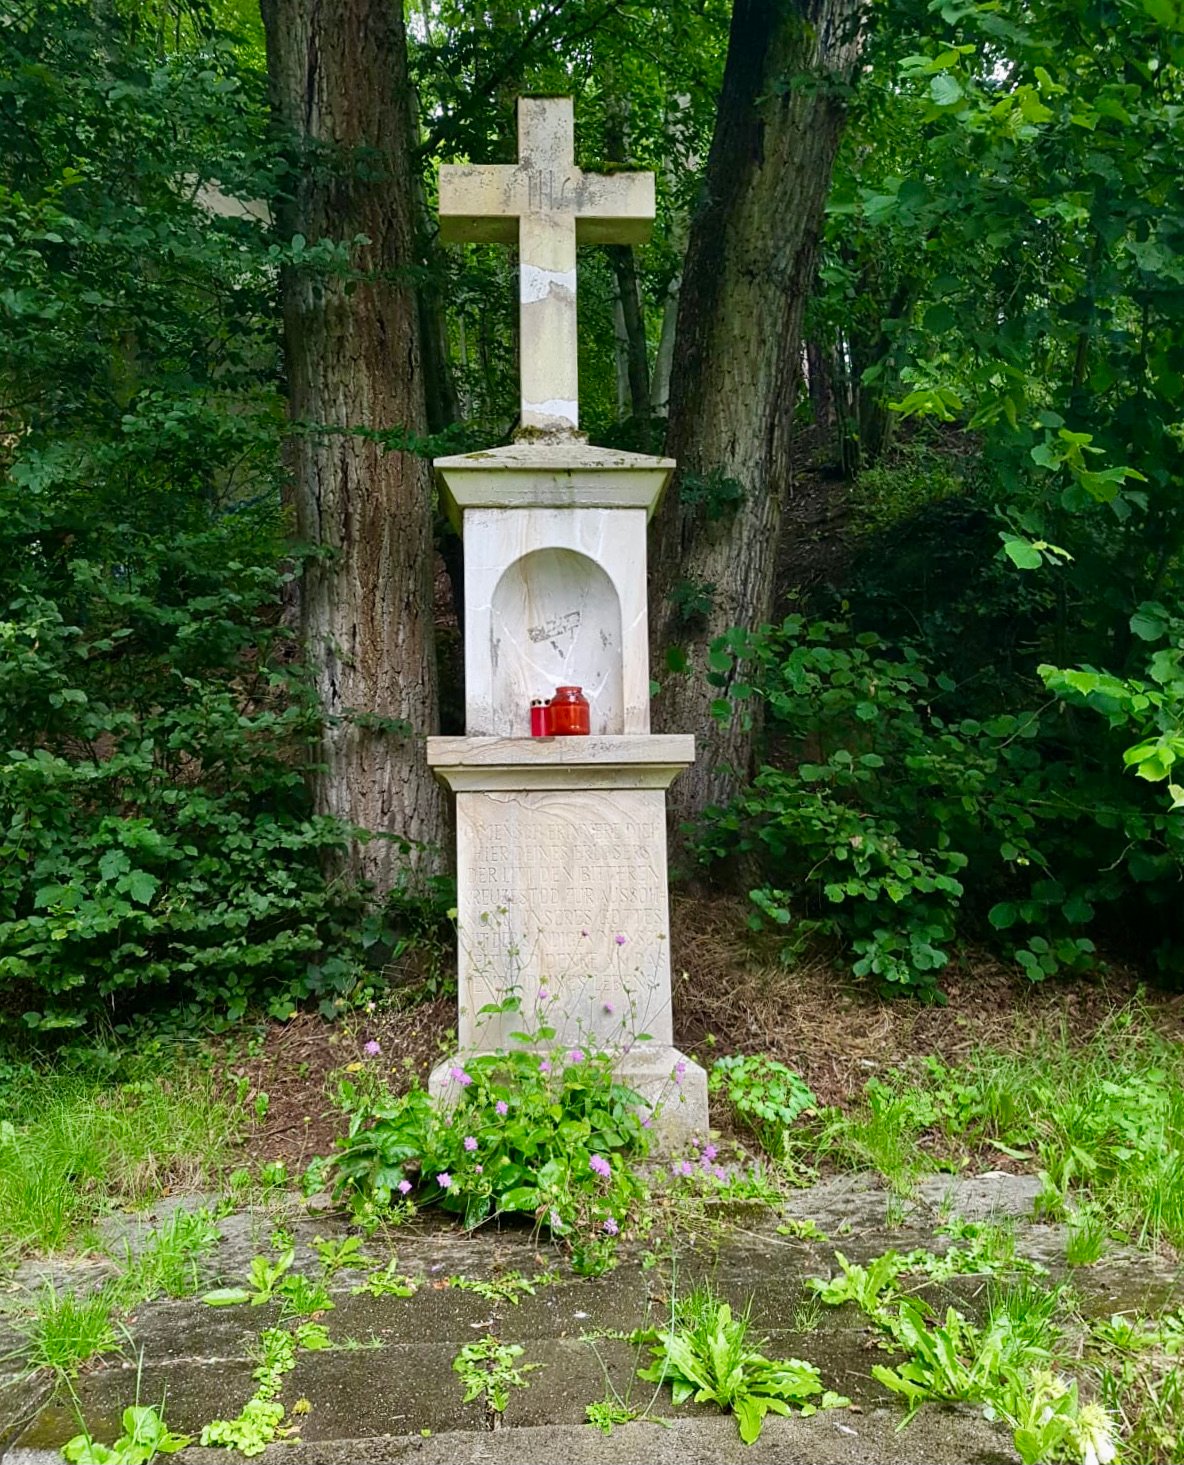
x: 479, y: 205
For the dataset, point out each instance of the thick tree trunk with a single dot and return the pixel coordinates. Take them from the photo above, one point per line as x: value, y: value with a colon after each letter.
x: 338, y: 77
x: 749, y: 269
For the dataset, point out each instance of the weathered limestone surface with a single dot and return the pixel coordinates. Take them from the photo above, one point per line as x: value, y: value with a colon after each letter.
x: 561, y: 842
x: 546, y: 205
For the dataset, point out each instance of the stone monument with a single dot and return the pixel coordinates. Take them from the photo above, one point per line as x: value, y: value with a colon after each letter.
x: 561, y: 841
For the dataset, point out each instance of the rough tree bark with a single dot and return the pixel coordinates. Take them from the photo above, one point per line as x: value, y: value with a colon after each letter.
x: 748, y: 272
x: 339, y: 94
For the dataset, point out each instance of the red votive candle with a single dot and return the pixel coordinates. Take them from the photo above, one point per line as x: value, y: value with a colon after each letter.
x: 569, y: 715
x: 538, y: 717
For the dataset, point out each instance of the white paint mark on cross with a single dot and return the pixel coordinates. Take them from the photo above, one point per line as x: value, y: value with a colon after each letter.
x: 546, y: 205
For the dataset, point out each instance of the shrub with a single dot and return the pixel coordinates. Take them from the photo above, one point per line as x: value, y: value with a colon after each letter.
x: 554, y: 1137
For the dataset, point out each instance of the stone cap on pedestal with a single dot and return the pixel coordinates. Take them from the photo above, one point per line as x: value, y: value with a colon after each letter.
x: 630, y: 761
x: 558, y: 474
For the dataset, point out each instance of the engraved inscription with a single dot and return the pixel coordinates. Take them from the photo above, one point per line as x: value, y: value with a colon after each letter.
x: 549, y: 189
x: 556, y: 628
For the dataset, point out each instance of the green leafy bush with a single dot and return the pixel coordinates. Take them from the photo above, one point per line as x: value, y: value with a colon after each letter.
x: 764, y: 1094
x: 886, y: 802
x: 156, y: 839
x: 554, y: 1137
x: 155, y: 832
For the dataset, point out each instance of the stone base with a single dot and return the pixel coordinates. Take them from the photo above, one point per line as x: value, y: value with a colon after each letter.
x: 676, y: 1095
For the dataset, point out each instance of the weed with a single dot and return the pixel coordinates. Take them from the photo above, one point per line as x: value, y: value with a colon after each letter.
x: 705, y: 1356
x: 1104, y: 1122
x: 870, y: 1287
x: 801, y: 1230
x: 764, y: 1094
x: 169, y: 1263
x: 511, y: 1287
x: 1087, y: 1237
x: 807, y: 1315
x: 145, y: 1436
x: 609, y: 1411
x: 489, y: 1368
x: 334, y: 1255
x: 386, y: 1283
x: 263, y: 1282
x: 67, y: 1329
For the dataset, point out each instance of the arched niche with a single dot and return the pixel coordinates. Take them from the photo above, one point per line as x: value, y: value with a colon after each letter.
x: 555, y: 620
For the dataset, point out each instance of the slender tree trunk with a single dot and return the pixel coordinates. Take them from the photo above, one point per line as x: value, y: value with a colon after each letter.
x: 637, y: 364
x: 664, y: 358
x: 339, y: 92
x: 749, y: 270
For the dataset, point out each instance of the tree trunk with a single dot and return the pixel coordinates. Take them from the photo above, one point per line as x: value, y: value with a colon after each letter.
x: 339, y: 94
x: 637, y: 364
x: 749, y: 270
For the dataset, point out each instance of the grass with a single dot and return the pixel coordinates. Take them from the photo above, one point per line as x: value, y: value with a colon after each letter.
x: 74, y: 1145
x: 1102, y: 1122
x: 66, y: 1329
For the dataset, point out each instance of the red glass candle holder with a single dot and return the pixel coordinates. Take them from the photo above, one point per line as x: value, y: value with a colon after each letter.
x: 569, y: 714
x: 540, y: 709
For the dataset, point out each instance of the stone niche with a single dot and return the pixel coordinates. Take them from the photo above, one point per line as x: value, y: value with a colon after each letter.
x: 555, y: 619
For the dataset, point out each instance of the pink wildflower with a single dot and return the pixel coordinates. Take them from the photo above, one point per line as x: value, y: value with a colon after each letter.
x: 372, y: 1049
x: 404, y: 1187
x: 611, y: 1227
x: 608, y: 1008
x: 443, y: 1180
x: 458, y: 1075
x: 684, y: 1167
x: 680, y: 1070
x: 600, y: 1165
x: 576, y: 1055
x: 501, y: 1107
x: 478, y: 1169
x: 470, y: 1142
x: 545, y: 1065
x: 543, y: 994
x: 720, y: 1173
x: 619, y: 939
x: 710, y: 1152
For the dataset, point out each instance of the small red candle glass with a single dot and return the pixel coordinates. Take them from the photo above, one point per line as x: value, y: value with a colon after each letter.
x: 569, y: 716
x: 539, y: 717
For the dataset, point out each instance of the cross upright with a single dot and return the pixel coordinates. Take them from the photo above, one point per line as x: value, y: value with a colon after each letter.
x: 546, y: 205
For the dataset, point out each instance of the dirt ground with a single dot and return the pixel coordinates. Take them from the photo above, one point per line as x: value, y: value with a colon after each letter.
x: 732, y: 994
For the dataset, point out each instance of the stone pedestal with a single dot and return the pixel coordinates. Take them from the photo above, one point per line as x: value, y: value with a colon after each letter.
x: 561, y: 842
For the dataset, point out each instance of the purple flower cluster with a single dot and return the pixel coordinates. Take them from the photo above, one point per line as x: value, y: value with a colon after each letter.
x: 600, y: 1165
x: 458, y: 1075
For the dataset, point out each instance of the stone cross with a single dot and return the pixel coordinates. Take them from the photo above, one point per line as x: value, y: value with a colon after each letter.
x: 545, y: 205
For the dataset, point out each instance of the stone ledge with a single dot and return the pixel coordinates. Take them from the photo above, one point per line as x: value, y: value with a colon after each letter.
x: 567, y: 475
x: 623, y: 761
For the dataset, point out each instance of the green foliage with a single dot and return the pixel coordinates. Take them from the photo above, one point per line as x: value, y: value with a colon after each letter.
x: 488, y: 1369
x: 708, y: 1358
x: 764, y: 1094
x: 1103, y: 1121
x: 67, y: 1329
x: 259, y: 1422
x: 156, y: 837
x: 271, y: 1281
x: 76, y: 1142
x: 145, y: 1436
x: 553, y: 1137
x: 1151, y: 707
x: 511, y: 1287
x: 890, y: 803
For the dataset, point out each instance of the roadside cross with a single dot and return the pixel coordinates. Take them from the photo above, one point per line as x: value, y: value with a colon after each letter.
x: 546, y: 205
